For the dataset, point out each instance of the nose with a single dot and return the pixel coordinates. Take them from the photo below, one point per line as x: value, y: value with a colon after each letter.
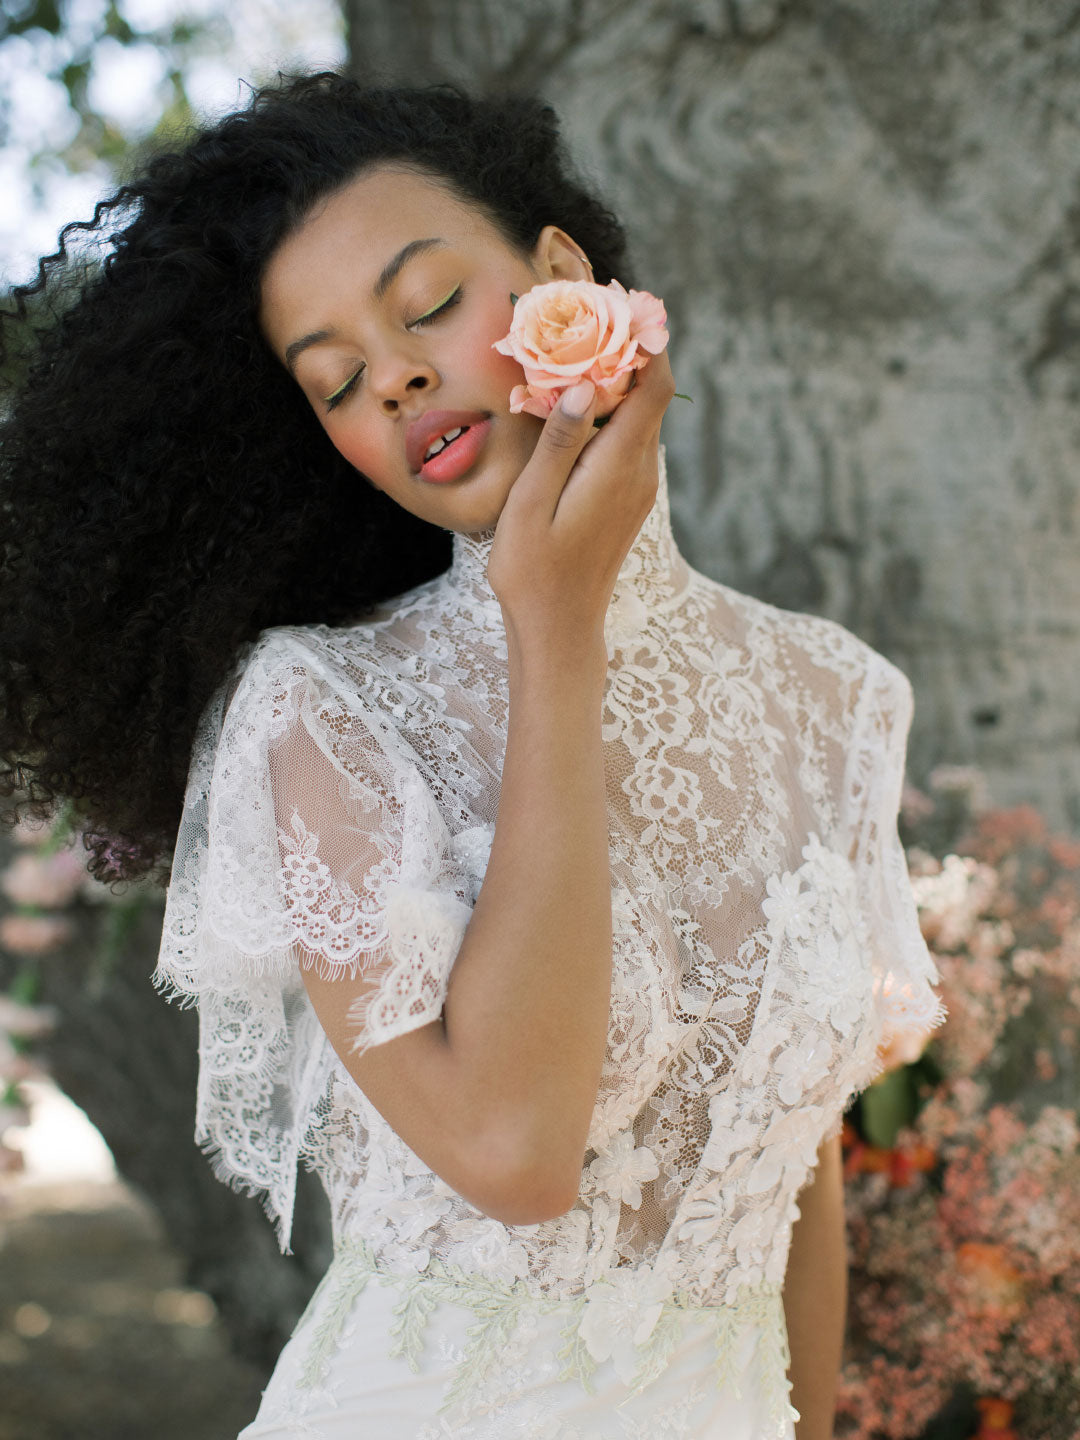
x: 398, y: 377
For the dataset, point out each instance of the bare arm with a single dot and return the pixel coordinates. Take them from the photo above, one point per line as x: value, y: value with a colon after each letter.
x: 815, y: 1296
x: 497, y: 1096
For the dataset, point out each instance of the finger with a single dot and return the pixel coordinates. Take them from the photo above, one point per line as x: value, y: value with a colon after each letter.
x: 577, y: 401
x: 639, y: 413
x: 655, y: 382
x: 634, y: 424
x: 565, y: 434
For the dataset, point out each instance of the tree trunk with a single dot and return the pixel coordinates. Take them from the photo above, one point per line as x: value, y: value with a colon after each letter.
x: 865, y: 221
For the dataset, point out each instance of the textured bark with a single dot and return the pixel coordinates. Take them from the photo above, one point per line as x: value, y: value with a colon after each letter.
x: 130, y: 1061
x: 865, y: 220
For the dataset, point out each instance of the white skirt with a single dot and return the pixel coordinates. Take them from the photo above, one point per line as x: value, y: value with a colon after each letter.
x: 360, y: 1390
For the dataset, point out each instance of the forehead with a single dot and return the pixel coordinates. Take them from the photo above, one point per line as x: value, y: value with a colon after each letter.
x: 348, y: 237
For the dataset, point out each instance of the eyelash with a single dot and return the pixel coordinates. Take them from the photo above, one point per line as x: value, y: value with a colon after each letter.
x: 332, y: 401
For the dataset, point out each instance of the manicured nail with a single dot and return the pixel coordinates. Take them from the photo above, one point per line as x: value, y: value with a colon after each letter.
x: 577, y: 399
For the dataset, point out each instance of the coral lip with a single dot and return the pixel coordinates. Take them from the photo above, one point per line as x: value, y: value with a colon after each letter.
x: 430, y: 426
x: 457, y: 458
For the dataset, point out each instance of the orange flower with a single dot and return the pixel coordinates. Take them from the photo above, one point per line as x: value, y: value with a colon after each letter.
x: 998, y: 1287
x: 995, y: 1419
x: 900, y: 1164
x: 569, y: 330
x: 875, y: 1160
x: 907, y: 1163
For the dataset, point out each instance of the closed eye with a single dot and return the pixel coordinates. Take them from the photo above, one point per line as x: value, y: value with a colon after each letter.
x: 343, y: 390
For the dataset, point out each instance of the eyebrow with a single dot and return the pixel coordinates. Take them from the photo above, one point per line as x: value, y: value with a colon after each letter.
x: 390, y: 272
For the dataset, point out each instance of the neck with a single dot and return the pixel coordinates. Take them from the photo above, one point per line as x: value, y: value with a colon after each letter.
x: 653, y: 571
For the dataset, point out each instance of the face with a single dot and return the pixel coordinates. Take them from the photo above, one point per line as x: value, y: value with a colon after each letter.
x: 376, y: 345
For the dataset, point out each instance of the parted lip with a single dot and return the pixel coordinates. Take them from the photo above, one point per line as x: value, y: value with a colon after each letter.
x: 430, y: 426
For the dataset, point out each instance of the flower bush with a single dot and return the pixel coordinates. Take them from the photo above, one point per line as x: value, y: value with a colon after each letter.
x: 963, y: 1163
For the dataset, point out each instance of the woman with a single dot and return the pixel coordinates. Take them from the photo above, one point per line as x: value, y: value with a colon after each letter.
x: 541, y: 893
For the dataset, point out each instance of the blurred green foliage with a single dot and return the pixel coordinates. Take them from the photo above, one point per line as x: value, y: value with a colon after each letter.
x: 64, y: 39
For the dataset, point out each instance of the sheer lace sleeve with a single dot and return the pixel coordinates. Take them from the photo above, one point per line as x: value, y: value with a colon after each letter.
x: 904, y: 970
x: 369, y: 876
x: 309, y: 837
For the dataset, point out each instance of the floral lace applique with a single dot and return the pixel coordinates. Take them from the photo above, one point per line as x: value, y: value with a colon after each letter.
x: 341, y: 807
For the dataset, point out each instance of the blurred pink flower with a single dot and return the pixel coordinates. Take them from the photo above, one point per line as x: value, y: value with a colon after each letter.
x: 50, y: 881
x: 34, y: 934
x: 901, y: 1047
x: 915, y: 804
x: 996, y: 1286
x: 26, y: 1021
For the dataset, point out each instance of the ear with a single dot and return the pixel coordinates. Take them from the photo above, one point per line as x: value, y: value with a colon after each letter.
x: 557, y: 257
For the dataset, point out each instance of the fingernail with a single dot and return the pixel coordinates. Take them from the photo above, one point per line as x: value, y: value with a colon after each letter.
x: 577, y: 399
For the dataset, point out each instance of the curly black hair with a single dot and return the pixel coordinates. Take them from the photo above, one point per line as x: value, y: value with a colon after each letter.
x: 167, y: 492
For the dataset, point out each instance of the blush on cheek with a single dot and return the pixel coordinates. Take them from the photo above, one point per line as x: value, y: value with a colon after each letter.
x: 477, y: 346
x: 360, y: 454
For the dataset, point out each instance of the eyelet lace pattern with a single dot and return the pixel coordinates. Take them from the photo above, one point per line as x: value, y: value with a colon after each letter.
x: 340, y: 810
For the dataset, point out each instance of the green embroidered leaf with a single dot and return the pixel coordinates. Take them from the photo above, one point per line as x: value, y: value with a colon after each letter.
x: 665, y: 1336
x: 580, y: 1364
x: 772, y: 1346
x: 763, y: 1310
x: 350, y: 1273
x: 487, y: 1337
x: 725, y: 1335
x: 413, y: 1312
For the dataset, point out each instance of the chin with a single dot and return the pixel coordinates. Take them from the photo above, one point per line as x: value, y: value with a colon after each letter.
x: 480, y: 518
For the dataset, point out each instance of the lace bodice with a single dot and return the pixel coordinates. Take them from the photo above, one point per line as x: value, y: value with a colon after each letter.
x: 342, y: 800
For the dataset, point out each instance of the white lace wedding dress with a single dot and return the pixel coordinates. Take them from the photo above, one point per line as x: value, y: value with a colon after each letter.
x: 342, y: 799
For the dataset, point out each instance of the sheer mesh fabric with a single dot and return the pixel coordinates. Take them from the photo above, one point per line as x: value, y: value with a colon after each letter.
x: 341, y: 805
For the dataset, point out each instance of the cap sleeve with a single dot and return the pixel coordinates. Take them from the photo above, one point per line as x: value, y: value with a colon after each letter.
x: 309, y: 837
x: 904, y: 970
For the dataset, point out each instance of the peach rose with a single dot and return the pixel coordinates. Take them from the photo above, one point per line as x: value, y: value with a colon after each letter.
x: 570, y: 330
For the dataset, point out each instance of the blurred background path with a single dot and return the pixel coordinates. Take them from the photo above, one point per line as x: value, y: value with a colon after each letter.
x: 99, y: 1339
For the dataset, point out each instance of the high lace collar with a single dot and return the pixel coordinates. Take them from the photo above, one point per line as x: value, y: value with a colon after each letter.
x: 652, y: 574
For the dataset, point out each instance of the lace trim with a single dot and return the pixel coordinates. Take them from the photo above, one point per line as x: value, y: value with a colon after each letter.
x: 873, y: 781
x: 499, y: 1306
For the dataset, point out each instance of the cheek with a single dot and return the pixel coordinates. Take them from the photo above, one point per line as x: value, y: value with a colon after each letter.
x: 493, y: 323
x: 356, y: 445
